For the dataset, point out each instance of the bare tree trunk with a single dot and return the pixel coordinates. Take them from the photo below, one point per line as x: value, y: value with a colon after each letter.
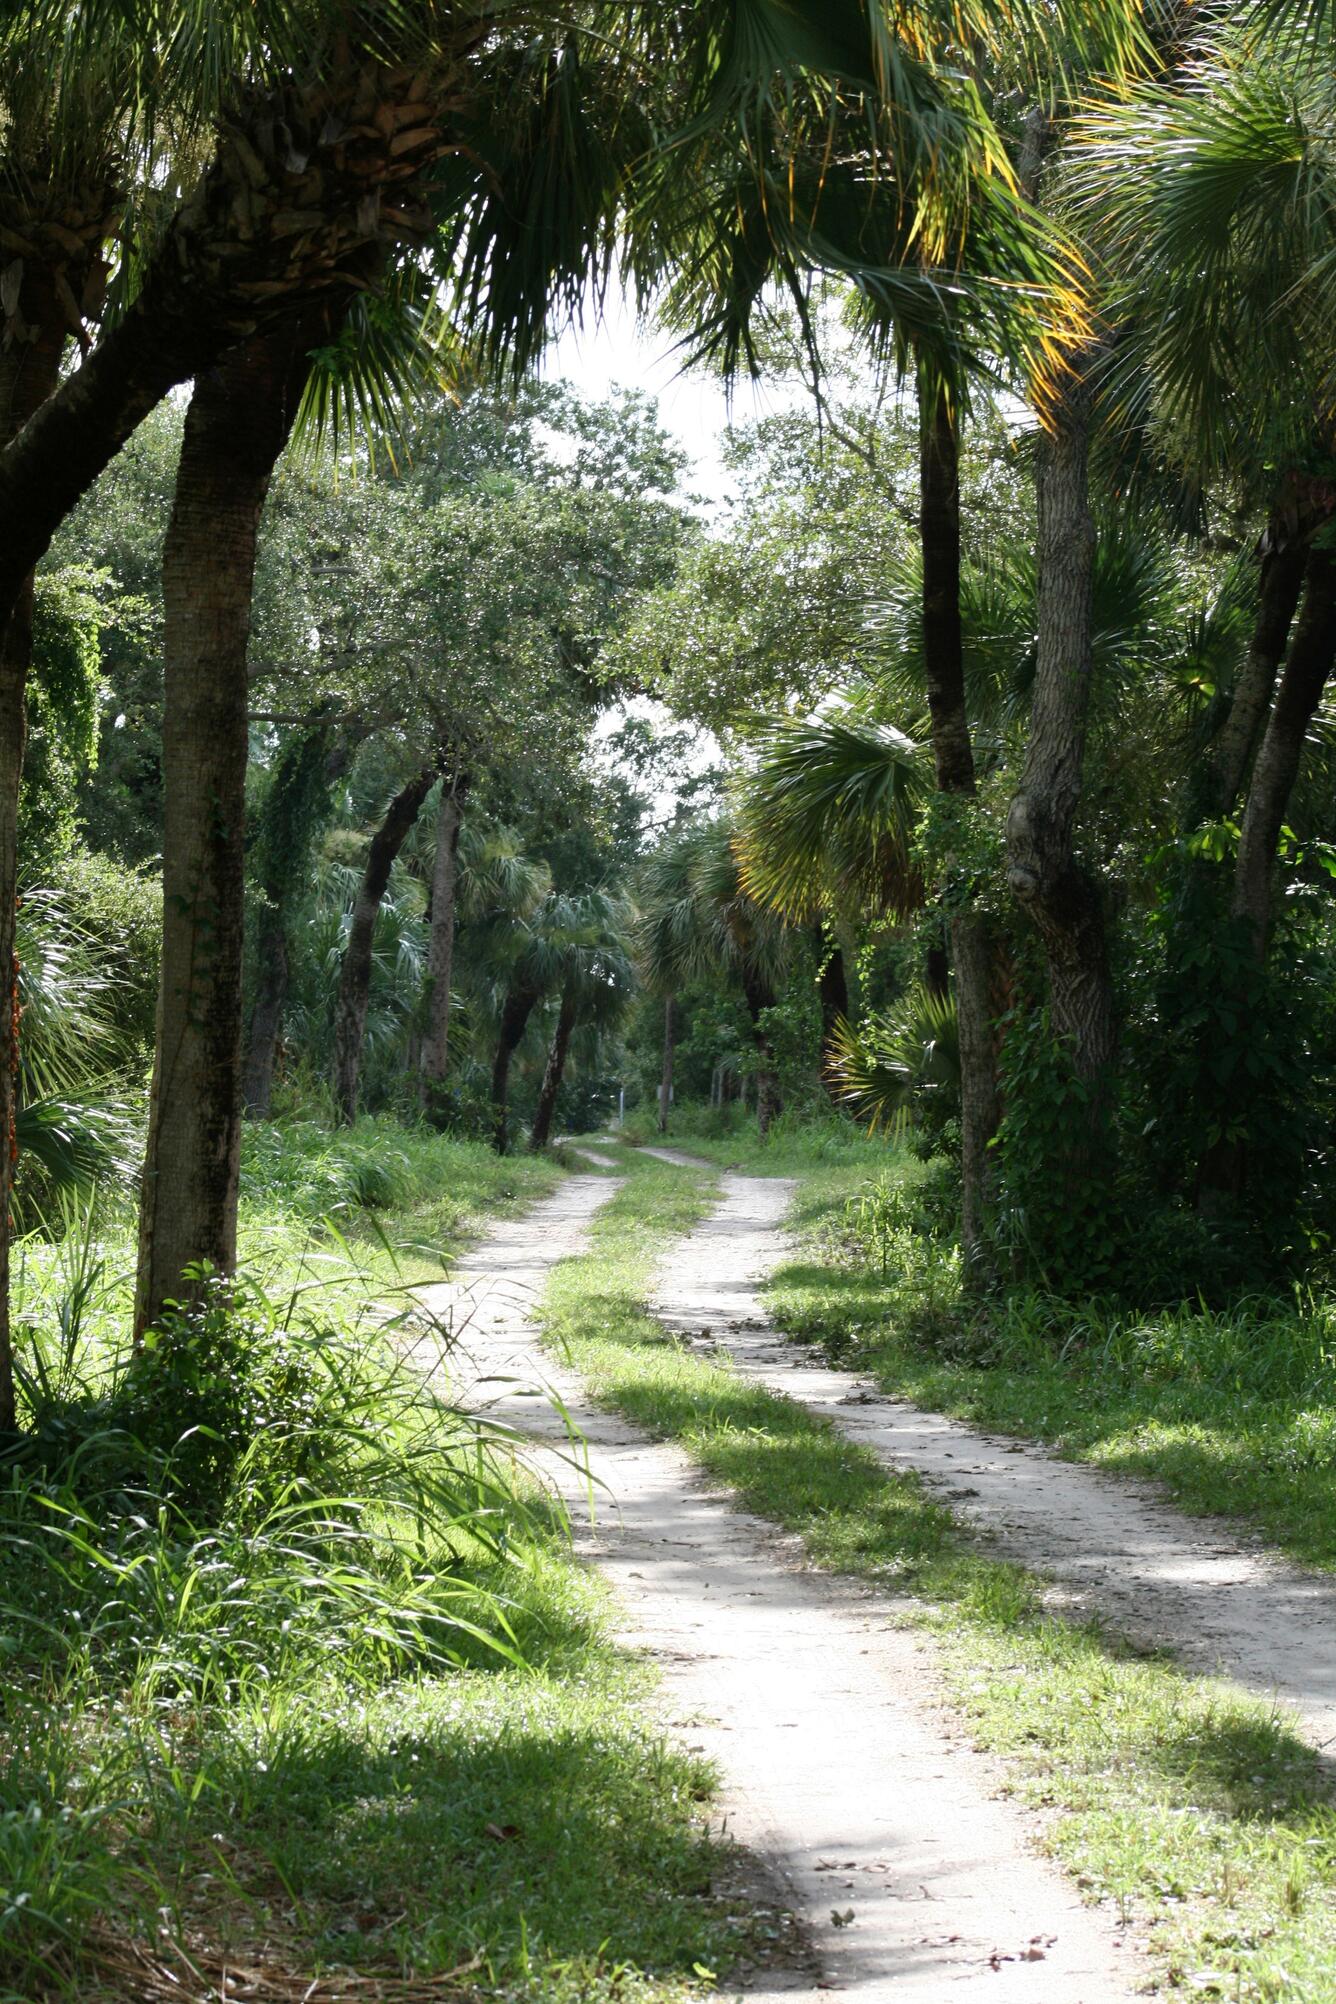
x: 1282, y: 578
x: 237, y: 425
x: 769, y: 1103
x: 1306, y: 674
x: 953, y: 757
x: 519, y: 1005
x: 1061, y: 898
x: 441, y: 951
x: 833, y: 990
x: 271, y: 995
x: 554, y: 1071
x: 666, y: 1078
x: 29, y: 372
x: 355, y: 975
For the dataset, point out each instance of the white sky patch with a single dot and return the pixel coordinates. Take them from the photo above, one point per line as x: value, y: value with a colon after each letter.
x: 704, y: 753
x: 617, y: 350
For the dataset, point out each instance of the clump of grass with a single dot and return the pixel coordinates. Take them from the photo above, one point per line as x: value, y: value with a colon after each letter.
x: 256, y: 1494
x: 435, y: 1188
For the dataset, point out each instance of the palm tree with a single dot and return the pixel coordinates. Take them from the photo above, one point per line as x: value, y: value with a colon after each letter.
x: 885, y: 1070
x: 1221, y: 252
x: 697, y: 922
x: 827, y: 815
x: 236, y: 427
x: 825, y: 825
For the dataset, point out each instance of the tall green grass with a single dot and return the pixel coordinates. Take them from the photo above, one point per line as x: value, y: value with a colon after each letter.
x: 262, y: 1492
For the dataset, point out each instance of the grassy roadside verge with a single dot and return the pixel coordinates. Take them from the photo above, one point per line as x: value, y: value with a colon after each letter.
x: 354, y: 1710
x: 1232, y: 1410
x: 1189, y: 1807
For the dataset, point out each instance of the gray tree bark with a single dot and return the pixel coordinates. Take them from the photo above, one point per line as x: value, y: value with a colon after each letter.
x: 441, y: 949
x: 350, y: 1008
x: 1063, y: 900
x: 236, y: 427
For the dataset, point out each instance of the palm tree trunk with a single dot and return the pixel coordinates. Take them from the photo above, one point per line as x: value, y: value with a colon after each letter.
x: 29, y: 372
x: 1306, y: 674
x: 271, y: 995
x: 953, y: 758
x: 350, y: 1007
x: 519, y: 1005
x: 237, y: 425
x: 666, y: 1077
x: 441, y: 951
x: 1282, y: 577
x: 1045, y: 878
x: 554, y: 1071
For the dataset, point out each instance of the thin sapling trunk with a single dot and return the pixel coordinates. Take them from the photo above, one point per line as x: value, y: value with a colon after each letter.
x: 354, y: 994
x: 441, y: 948
x: 555, y: 1069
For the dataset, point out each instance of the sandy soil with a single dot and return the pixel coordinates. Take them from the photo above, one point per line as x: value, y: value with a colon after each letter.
x: 841, y: 1774
x: 1115, y: 1548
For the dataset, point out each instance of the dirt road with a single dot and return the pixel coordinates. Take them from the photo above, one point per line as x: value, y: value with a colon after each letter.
x: 842, y: 1775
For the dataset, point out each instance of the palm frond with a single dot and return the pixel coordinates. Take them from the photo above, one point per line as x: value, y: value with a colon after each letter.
x: 828, y: 811
x: 882, y: 1067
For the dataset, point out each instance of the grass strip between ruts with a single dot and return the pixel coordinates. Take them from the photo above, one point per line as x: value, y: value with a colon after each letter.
x: 1188, y: 1805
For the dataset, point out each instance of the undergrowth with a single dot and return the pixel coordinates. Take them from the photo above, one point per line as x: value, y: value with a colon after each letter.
x: 299, y: 1671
